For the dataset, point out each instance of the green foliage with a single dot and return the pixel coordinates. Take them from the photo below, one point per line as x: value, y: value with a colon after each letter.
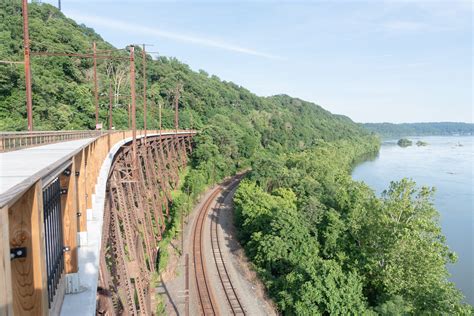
x: 160, y: 309
x: 403, y: 142
x: 286, y: 256
x: 323, y: 243
x: 395, y: 306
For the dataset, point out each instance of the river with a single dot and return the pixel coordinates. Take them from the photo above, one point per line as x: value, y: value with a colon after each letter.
x: 447, y: 163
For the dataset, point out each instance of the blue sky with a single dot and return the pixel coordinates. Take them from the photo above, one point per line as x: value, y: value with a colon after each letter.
x: 375, y: 61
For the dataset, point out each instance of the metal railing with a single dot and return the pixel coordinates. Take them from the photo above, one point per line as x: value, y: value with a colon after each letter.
x: 18, y: 140
x: 53, y: 236
x: 10, y: 141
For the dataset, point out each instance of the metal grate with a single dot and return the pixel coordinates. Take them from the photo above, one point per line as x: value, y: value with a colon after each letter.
x: 53, y: 236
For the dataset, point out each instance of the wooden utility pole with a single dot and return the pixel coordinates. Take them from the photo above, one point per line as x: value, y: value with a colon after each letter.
x: 26, y: 51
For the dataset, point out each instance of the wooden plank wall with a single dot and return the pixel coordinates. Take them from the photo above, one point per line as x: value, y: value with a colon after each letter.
x: 80, y: 166
x: 28, y: 275
x: 69, y: 219
x: 6, y: 304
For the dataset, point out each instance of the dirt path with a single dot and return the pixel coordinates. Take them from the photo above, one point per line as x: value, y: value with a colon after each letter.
x: 247, y: 287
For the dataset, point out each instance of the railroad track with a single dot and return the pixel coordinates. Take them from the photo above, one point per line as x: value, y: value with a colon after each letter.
x: 206, y: 299
x: 235, y: 305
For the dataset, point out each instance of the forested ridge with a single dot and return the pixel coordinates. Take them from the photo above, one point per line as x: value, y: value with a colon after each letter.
x: 321, y: 243
x: 420, y: 129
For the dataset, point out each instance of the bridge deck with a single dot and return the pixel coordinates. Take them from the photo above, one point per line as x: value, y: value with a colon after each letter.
x: 22, y: 172
x: 18, y: 166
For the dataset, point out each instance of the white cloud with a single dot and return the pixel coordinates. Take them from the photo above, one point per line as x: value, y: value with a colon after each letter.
x: 135, y: 28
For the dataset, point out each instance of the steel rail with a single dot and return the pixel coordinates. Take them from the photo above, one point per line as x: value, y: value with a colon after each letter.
x: 205, y: 295
x: 231, y: 294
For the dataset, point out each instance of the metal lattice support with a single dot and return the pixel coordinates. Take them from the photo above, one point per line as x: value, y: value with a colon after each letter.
x: 135, y: 218
x: 173, y: 162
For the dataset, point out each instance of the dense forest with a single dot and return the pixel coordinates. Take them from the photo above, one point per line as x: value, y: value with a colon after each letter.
x: 321, y: 243
x: 390, y: 130
x: 325, y: 244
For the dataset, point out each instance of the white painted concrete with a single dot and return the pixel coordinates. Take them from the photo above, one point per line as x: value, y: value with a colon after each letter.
x: 72, y: 283
x: 83, y: 302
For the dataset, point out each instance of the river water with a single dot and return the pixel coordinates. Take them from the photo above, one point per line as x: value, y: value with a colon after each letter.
x: 447, y: 163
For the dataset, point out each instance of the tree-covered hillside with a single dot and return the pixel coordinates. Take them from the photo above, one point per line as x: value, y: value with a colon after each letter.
x: 63, y: 87
x: 387, y: 130
x: 322, y: 243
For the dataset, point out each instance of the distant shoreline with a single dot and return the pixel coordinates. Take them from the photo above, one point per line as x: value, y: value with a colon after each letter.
x: 396, y: 138
x: 391, y: 130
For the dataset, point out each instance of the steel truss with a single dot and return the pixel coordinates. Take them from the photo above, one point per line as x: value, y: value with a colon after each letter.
x: 136, y: 211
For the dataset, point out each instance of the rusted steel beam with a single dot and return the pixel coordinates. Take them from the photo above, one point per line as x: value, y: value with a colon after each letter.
x: 26, y: 61
x: 104, y: 295
x: 138, y: 190
x: 147, y: 204
x: 174, y: 160
x: 144, y: 91
x: 168, y: 160
x: 190, y: 145
x: 153, y: 189
x: 182, y: 151
x: 163, y: 176
x: 96, y: 91
x: 164, y: 162
x: 132, y: 92
x: 125, y: 288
